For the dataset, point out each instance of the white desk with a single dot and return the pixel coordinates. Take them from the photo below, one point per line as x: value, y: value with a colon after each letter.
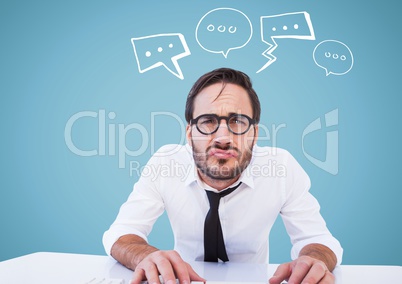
x: 52, y: 268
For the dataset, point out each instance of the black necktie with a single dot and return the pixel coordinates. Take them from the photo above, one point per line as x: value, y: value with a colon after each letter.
x: 214, y: 245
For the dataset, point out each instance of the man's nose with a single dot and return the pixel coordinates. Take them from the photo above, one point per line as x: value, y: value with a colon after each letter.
x: 223, y: 135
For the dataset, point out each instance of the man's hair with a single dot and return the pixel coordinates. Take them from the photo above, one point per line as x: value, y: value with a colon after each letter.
x: 224, y: 76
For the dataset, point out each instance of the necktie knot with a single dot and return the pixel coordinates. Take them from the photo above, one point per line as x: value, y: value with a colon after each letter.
x: 214, y: 199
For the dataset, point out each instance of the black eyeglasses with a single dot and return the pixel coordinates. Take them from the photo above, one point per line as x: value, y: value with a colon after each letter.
x: 209, y: 123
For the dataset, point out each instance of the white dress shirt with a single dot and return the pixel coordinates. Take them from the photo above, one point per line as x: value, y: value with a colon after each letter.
x: 273, y: 183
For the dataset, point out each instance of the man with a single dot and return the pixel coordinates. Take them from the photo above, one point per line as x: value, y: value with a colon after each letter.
x: 227, y: 176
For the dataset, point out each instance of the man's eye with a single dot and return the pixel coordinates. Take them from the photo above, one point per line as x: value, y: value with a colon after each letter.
x: 238, y: 121
x: 207, y: 121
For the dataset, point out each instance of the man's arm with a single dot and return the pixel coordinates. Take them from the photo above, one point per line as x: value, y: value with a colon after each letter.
x: 129, y: 250
x: 148, y: 262
x: 322, y: 253
x: 314, y: 265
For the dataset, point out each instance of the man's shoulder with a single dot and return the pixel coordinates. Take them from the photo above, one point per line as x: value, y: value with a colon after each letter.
x: 276, y: 159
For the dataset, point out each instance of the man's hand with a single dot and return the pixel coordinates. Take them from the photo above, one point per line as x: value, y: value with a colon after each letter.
x: 148, y: 262
x: 169, y: 265
x: 303, y: 270
x: 314, y: 265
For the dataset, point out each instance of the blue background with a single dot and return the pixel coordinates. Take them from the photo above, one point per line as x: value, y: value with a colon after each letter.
x: 58, y: 59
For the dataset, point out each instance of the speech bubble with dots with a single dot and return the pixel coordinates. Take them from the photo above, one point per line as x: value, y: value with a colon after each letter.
x: 334, y: 57
x: 160, y: 50
x: 296, y: 25
x: 222, y: 30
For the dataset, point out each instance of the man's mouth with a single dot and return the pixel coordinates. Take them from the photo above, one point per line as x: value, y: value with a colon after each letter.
x: 223, y: 154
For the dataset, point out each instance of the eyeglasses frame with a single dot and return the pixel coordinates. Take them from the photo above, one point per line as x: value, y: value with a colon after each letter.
x: 251, y: 121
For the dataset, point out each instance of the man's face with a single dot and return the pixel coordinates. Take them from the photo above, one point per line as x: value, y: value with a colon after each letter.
x: 222, y: 155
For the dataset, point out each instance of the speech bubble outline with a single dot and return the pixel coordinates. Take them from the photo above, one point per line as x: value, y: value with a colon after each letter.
x: 225, y: 54
x: 326, y: 69
x: 271, y: 47
x: 175, y: 69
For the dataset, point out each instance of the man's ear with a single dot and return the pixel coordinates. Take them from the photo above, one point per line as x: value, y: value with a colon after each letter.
x: 188, y: 134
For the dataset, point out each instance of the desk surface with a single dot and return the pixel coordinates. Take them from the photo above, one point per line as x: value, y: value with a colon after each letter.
x: 51, y: 268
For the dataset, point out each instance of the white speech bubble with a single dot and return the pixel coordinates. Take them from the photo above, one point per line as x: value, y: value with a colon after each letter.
x: 290, y: 25
x: 334, y: 57
x: 160, y: 50
x: 222, y: 30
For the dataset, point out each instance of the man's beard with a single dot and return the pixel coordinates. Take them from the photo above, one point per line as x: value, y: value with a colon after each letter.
x: 220, y: 170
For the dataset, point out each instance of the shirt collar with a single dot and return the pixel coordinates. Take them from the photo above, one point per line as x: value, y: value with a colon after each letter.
x: 246, y: 177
